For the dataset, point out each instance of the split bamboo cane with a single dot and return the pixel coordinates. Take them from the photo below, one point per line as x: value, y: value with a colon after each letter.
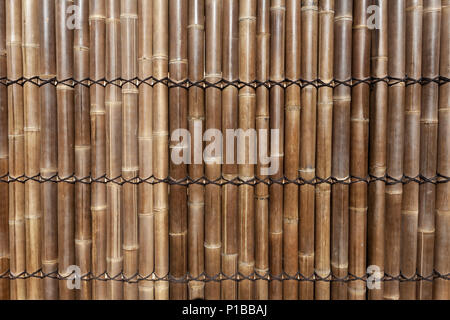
x: 324, y: 143
x: 196, y: 118
x: 83, y: 234
x: 276, y: 122
x: 428, y: 145
x: 213, y: 37
x: 441, y: 287
x: 146, y: 217
x: 49, y: 150
x: 377, y: 146
x: 245, y: 151
x: 178, y: 111
x: 113, y: 105
x: 66, y: 156
x: 16, y: 147
x: 359, y: 150
x: 262, y: 127
x: 395, y: 144
x: 97, y: 15
x: 292, y: 147
x: 307, y: 169
x: 4, y: 232
x: 230, y: 168
x: 130, y: 158
x: 160, y: 146
x: 410, y: 202
x: 341, y: 147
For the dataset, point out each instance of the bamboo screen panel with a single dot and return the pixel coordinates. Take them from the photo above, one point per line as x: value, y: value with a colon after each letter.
x: 224, y: 149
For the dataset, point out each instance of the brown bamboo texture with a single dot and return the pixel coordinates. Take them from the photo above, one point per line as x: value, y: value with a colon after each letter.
x: 324, y: 145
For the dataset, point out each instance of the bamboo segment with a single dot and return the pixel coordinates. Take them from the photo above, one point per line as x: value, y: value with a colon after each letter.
x: 341, y: 147
x: 324, y: 144
x: 178, y: 69
x: 160, y: 145
x: 97, y: 15
x: 377, y: 147
x: 66, y: 140
x: 262, y: 128
x: 83, y: 235
x: 307, y: 169
x: 247, y: 97
x: 49, y: 154
x: 196, y: 119
x: 395, y: 144
x: 146, y: 217
x: 4, y: 232
x: 359, y: 151
x: 130, y: 159
x: 410, y: 203
x: 441, y: 287
x: 113, y: 105
x: 213, y: 69
x: 428, y: 145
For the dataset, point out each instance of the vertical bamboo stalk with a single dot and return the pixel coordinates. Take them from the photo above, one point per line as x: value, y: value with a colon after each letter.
x: 178, y: 70
x: 97, y: 15
x: 160, y: 146
x: 213, y: 36
x: 196, y: 118
x: 441, y: 287
x: 428, y: 145
x: 113, y: 105
x: 410, y: 202
x: 324, y: 144
x: 341, y: 147
x: 83, y: 235
x: 130, y: 159
x: 262, y: 127
x: 66, y: 156
x: 247, y: 97
x: 395, y: 144
x: 4, y: 232
x: 377, y: 145
x: 146, y: 217
x: 49, y: 154
x: 359, y: 150
x: 307, y: 167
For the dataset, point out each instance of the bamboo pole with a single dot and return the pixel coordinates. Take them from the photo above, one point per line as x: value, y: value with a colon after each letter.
x: 213, y: 73
x: 49, y: 154
x: 66, y: 159
x: 428, y: 145
x: 359, y: 150
x: 160, y: 146
x: 377, y: 146
x: 146, y: 217
x: 324, y: 144
x: 410, y: 203
x: 178, y: 70
x: 97, y: 15
x: 395, y: 144
x: 113, y: 105
x: 130, y: 159
x: 83, y: 235
x: 247, y: 97
x: 307, y: 168
x: 262, y: 127
x: 196, y: 119
x: 4, y: 197
x: 441, y: 287
x: 341, y: 147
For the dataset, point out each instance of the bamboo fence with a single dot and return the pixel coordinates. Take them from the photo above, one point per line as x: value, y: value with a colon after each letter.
x: 224, y: 149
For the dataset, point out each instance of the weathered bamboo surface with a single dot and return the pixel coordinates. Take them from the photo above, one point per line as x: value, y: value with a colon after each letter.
x: 224, y: 149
